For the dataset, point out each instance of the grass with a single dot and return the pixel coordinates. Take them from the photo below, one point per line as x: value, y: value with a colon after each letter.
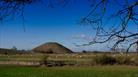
x: 96, y: 71
x: 38, y: 57
x: 77, y: 59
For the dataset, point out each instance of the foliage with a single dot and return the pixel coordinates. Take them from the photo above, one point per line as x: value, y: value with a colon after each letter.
x: 14, y: 48
x: 44, y: 60
x: 105, y: 59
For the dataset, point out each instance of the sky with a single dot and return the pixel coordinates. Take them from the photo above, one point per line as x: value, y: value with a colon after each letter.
x: 45, y: 24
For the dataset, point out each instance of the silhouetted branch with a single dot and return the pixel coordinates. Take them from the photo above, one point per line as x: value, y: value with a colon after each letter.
x: 126, y: 14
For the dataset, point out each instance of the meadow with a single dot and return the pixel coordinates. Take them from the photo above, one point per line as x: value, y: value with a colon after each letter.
x: 78, y: 59
x: 68, y: 65
x: 95, y: 71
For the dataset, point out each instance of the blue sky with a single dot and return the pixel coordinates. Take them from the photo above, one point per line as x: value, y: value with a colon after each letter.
x: 44, y: 24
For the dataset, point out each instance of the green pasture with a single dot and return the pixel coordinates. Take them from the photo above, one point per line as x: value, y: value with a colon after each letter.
x: 95, y: 71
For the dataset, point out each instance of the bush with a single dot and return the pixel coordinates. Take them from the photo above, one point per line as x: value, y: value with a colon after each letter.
x: 121, y: 60
x: 104, y: 59
x: 53, y: 63
x: 44, y: 60
x: 126, y: 60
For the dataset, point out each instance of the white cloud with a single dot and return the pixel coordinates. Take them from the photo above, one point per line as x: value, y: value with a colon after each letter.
x: 83, y: 37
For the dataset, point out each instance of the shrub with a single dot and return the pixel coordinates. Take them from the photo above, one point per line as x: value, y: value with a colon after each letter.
x: 125, y: 60
x: 44, y: 60
x: 104, y: 59
x: 120, y: 60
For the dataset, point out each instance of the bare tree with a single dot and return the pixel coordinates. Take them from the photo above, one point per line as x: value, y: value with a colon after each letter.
x: 12, y: 8
x: 9, y: 9
x: 112, y: 20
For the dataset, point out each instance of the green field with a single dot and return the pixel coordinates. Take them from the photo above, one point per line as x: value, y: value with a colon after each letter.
x: 96, y: 71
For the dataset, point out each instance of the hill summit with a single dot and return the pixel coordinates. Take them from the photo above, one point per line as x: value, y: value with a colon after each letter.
x: 52, y: 47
